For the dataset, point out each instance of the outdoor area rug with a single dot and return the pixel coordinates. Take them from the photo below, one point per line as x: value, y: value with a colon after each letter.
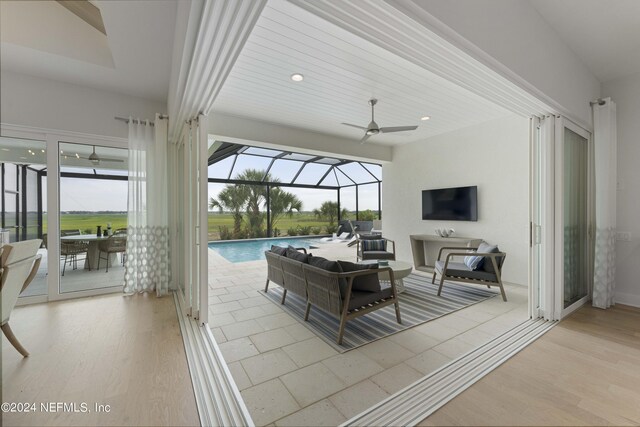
x: 418, y: 304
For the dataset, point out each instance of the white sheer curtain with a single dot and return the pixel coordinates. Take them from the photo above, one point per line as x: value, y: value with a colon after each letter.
x: 147, y: 266
x: 605, y: 151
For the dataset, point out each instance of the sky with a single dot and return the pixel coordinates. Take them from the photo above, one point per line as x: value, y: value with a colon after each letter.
x: 78, y: 194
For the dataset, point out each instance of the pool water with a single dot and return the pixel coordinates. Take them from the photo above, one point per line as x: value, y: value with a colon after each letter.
x: 253, y: 250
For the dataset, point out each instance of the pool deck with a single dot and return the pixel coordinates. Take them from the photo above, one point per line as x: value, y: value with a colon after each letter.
x: 289, y: 376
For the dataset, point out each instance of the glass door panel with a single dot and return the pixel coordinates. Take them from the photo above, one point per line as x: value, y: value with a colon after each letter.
x: 575, y: 217
x: 23, y: 187
x: 93, y: 216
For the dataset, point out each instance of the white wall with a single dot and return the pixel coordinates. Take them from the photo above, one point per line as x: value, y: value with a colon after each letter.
x: 43, y: 103
x: 495, y: 157
x: 625, y: 92
x: 514, y: 34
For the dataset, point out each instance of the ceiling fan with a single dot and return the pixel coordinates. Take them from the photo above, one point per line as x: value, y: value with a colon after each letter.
x: 95, y: 159
x: 373, y: 128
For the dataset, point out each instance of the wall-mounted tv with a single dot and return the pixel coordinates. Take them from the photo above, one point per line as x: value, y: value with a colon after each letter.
x: 450, y: 204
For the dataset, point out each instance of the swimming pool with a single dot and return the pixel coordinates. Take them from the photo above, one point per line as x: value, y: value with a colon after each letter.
x: 253, y: 250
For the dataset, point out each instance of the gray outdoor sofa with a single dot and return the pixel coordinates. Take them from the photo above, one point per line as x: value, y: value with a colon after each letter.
x: 341, y: 288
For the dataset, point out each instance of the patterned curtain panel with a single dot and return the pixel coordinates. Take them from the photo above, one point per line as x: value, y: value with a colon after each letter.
x: 605, y: 147
x: 147, y: 267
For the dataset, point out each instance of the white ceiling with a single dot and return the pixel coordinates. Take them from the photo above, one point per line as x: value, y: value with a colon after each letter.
x: 605, y: 34
x: 342, y: 71
x: 62, y: 47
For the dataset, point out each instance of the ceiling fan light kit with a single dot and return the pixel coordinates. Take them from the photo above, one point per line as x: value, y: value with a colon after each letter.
x: 373, y: 128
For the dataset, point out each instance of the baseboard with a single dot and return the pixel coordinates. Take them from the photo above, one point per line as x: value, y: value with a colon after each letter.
x: 627, y: 299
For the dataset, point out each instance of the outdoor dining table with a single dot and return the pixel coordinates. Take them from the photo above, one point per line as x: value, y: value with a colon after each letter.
x: 91, y: 261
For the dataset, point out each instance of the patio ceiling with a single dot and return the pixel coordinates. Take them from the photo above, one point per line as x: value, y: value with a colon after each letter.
x: 286, y: 168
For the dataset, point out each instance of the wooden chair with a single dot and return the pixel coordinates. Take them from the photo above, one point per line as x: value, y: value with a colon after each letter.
x: 491, y: 274
x: 19, y: 263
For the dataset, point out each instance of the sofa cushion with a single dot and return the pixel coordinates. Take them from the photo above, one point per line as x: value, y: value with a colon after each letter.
x: 374, y: 245
x: 378, y: 255
x: 279, y: 250
x: 365, y: 283
x: 297, y: 256
x: 359, y: 298
x: 459, y: 269
x: 325, y: 264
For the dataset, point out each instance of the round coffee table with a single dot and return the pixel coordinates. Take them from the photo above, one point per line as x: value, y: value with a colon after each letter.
x: 400, y: 271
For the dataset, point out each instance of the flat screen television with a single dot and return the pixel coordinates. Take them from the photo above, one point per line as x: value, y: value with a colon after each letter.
x: 450, y: 204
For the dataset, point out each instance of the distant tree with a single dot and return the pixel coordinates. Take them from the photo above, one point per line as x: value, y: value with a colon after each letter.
x: 255, y: 198
x: 283, y: 203
x: 367, y: 215
x: 328, y: 211
x: 233, y: 198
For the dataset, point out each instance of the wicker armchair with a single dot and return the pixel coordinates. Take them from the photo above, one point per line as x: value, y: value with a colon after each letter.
x: 323, y: 291
x: 113, y: 244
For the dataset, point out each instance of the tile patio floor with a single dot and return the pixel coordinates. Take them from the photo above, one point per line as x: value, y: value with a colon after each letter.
x: 288, y: 376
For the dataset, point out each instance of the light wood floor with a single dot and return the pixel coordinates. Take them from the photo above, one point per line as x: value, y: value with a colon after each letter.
x: 585, y: 371
x: 126, y: 352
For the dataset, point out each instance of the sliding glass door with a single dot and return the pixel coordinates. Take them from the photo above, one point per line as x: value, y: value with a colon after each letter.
x: 92, y: 216
x: 573, y: 216
x: 23, y: 179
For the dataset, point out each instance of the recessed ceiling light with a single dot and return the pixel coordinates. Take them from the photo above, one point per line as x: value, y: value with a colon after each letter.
x: 5, y: 149
x: 425, y: 117
x: 297, y: 77
x: 42, y: 151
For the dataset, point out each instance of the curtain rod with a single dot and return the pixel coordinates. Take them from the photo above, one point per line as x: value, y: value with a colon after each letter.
x: 126, y: 120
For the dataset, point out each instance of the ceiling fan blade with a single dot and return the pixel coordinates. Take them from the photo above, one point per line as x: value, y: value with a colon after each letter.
x: 397, y: 129
x: 104, y: 159
x: 364, y: 139
x: 355, y: 126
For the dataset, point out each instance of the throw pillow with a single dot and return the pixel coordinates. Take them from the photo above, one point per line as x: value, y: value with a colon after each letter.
x: 298, y: 256
x: 473, y: 261
x: 366, y: 283
x: 279, y: 250
x: 374, y: 245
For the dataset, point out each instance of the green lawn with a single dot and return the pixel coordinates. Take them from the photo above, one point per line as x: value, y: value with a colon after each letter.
x: 87, y: 223
x: 304, y: 219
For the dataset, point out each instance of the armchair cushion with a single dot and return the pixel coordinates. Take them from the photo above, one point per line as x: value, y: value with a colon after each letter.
x: 279, y: 250
x: 297, y: 256
x: 374, y: 245
x: 378, y: 255
x: 369, y: 237
x: 366, y: 283
x: 487, y: 265
x: 460, y: 269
